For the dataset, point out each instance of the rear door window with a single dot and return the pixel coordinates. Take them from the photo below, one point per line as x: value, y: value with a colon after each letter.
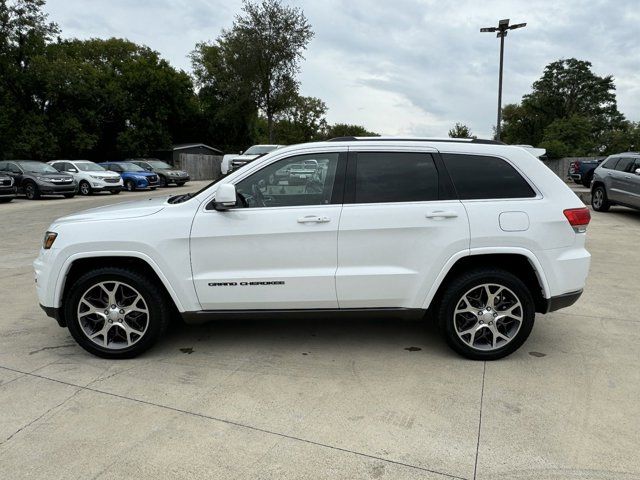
x: 483, y: 177
x: 383, y: 177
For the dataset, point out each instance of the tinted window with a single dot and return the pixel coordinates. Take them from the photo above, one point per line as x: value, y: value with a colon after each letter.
x: 611, y: 162
x: 3, y: 166
x: 395, y: 177
x: 293, y: 181
x: 477, y: 176
x: 624, y: 165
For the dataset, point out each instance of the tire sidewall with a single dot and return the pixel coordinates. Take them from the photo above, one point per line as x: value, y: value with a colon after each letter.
x: 604, y: 205
x: 84, y: 183
x: 465, y: 283
x: 129, y: 185
x: 34, y: 188
x: 158, y: 312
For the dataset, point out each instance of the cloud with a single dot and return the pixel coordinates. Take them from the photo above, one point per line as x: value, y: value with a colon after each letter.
x: 402, y: 67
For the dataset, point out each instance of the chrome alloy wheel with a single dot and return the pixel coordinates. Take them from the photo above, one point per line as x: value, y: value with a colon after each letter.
x: 598, y: 198
x: 488, y: 317
x: 113, y: 315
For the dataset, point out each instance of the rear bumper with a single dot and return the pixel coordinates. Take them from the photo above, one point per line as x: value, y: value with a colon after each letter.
x: 561, y: 301
x: 575, y: 176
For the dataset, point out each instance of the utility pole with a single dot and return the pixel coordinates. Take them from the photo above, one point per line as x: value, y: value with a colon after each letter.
x: 502, y: 29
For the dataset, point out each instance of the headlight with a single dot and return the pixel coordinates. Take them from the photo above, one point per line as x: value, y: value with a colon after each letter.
x: 49, y: 238
x: 96, y: 177
x: 44, y: 179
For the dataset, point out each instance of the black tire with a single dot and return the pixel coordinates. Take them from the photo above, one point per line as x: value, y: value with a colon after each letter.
x: 179, y: 184
x: 85, y: 188
x: 115, y: 192
x: 453, y: 297
x: 599, y: 200
x: 586, y: 181
x: 69, y: 195
x: 130, y: 185
x: 31, y: 190
x: 162, y: 181
x: 152, y: 293
x: 6, y: 200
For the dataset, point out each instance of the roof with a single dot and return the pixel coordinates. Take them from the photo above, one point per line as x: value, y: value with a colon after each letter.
x: 417, y: 139
x: 183, y: 146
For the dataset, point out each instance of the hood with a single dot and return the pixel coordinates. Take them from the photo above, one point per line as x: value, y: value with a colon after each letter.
x: 56, y: 175
x: 103, y: 174
x: 142, y: 174
x: 245, y: 157
x: 138, y: 208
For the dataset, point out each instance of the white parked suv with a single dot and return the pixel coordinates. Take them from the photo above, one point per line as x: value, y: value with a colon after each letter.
x: 478, y: 234
x: 231, y: 162
x: 90, y: 176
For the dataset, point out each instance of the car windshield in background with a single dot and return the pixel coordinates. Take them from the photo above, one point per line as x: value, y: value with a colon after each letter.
x: 130, y: 167
x: 38, y: 167
x: 89, y: 167
x: 158, y: 164
x: 255, y: 150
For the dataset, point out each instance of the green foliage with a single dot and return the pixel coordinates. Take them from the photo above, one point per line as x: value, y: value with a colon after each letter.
x: 303, y: 122
x: 460, y: 130
x: 567, y: 96
x: 262, y: 52
x: 347, y: 130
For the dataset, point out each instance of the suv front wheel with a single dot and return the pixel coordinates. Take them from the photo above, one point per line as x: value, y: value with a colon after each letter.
x: 115, y: 312
x: 486, y: 314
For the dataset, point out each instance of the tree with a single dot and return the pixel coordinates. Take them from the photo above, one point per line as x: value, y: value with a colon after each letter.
x: 568, y: 94
x: 347, y: 130
x: 460, y: 131
x: 303, y: 122
x: 262, y: 50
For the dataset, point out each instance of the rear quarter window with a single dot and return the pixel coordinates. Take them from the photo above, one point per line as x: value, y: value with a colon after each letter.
x: 484, y: 177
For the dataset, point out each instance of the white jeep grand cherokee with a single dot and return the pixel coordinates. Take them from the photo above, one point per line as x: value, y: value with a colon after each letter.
x: 479, y: 234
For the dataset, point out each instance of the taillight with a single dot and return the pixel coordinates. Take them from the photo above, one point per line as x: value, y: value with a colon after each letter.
x: 578, y: 218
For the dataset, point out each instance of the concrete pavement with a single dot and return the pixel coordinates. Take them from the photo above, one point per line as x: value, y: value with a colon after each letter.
x: 322, y: 399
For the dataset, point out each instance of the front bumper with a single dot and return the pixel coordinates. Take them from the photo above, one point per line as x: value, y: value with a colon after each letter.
x: 6, y: 192
x: 174, y: 179
x: 55, y: 313
x: 51, y: 189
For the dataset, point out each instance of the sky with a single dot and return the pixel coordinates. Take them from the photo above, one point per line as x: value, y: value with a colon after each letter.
x: 399, y: 67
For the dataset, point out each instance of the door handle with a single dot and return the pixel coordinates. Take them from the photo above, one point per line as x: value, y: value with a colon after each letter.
x: 627, y: 177
x: 441, y: 214
x: 313, y: 219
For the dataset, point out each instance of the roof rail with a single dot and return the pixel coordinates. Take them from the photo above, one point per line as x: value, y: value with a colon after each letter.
x: 399, y: 139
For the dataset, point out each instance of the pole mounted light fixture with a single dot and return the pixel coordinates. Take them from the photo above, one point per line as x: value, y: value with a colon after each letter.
x: 502, y: 29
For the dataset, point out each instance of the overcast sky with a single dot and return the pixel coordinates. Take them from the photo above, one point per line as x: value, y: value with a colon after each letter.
x: 400, y: 67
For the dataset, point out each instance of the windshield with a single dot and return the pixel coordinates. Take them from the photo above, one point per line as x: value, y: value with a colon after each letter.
x: 158, y: 164
x: 89, y: 167
x: 130, y: 167
x: 38, y: 167
x: 260, y: 149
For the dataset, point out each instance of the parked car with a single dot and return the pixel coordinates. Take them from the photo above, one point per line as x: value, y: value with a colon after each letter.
x: 581, y: 171
x: 90, y: 176
x: 166, y: 173
x: 7, y: 188
x: 480, y: 234
x: 617, y: 182
x: 231, y: 162
x: 34, y: 179
x: 133, y: 176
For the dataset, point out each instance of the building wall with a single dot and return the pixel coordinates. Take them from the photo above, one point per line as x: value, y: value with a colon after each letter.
x: 200, y: 167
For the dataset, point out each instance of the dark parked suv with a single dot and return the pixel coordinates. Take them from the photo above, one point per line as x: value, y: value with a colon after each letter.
x: 36, y: 178
x: 7, y: 188
x: 166, y: 173
x: 617, y: 182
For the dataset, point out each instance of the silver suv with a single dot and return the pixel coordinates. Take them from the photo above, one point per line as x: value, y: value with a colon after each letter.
x: 617, y: 182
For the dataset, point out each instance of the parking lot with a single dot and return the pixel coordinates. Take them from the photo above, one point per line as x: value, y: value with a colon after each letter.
x: 322, y: 398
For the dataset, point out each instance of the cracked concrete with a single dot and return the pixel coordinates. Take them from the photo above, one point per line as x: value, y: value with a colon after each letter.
x: 323, y: 399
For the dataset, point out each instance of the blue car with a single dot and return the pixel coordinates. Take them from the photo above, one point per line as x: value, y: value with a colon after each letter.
x: 133, y: 176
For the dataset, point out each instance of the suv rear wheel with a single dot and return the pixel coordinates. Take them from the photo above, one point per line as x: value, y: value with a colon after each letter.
x: 599, y: 200
x: 486, y: 314
x: 115, y: 312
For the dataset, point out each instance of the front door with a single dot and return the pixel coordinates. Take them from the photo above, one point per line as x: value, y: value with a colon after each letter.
x: 278, y: 248
x: 399, y: 226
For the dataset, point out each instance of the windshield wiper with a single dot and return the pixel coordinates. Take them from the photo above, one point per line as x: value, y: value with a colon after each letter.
x: 180, y: 198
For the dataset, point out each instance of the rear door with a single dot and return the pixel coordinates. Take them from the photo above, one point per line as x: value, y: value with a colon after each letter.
x: 631, y: 183
x: 399, y: 226
x: 619, y: 187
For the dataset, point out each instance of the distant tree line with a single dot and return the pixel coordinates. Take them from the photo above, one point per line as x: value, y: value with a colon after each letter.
x: 111, y: 98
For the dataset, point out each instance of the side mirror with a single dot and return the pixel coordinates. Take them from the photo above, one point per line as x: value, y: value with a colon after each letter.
x: 73, y: 170
x: 637, y: 171
x: 225, y: 197
x: 240, y: 153
x: 149, y: 169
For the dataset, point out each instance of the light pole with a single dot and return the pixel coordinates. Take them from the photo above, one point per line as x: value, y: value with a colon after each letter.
x: 502, y: 29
